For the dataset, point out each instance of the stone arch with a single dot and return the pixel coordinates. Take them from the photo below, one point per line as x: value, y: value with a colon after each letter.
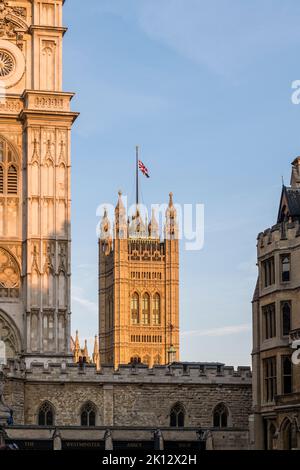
x: 46, y: 414
x: 10, y: 335
x: 15, y: 151
x: 177, y: 415
x: 89, y: 414
x: 10, y: 274
x: 221, y: 416
x: 286, y: 434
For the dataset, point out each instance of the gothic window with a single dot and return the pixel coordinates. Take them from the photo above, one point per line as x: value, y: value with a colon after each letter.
x: 220, y: 416
x: 135, y: 309
x: 269, y: 319
x: 285, y: 267
x: 268, y: 267
x: 270, y: 379
x: 156, y: 310
x: 286, y: 318
x: 135, y: 360
x: 177, y: 415
x: 88, y: 415
x: 46, y: 415
x: 146, y: 310
x: 12, y: 180
x: 286, y: 375
x: 9, y: 189
x: 9, y: 275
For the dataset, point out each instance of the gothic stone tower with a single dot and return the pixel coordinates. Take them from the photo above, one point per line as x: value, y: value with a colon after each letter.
x: 35, y: 124
x: 276, y: 326
x: 139, y: 290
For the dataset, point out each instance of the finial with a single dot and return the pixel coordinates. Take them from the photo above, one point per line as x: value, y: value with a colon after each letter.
x: 171, y: 199
x: 120, y: 192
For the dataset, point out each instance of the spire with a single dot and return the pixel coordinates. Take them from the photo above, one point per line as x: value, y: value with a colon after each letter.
x: 105, y: 225
x: 96, y: 355
x: 137, y: 228
x: 295, y: 178
x: 76, y: 348
x: 171, y: 226
x: 153, y: 226
x: 120, y: 218
x: 85, y: 351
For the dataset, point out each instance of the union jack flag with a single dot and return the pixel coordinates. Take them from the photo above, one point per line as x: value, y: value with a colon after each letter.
x: 143, y: 169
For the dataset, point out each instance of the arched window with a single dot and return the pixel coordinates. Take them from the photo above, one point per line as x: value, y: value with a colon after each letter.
x: 8, y: 169
x: 285, y: 267
x: 220, y: 416
x: 146, y: 310
x: 177, y: 416
x: 135, y: 316
x: 286, y: 318
x: 88, y: 415
x: 46, y: 415
x: 135, y: 360
x: 12, y: 180
x: 156, y: 310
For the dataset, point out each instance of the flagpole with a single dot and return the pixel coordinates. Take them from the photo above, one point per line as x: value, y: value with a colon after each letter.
x: 137, y: 178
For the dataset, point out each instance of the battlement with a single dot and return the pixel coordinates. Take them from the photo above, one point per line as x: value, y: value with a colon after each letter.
x: 282, y: 235
x: 191, y: 373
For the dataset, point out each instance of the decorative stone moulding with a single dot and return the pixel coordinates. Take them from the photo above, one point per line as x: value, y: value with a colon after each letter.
x: 12, y: 64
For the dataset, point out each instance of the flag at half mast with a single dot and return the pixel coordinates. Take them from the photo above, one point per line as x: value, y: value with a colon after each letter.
x: 143, y: 169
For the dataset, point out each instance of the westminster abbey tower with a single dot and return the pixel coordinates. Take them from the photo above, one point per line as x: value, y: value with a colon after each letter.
x: 35, y: 235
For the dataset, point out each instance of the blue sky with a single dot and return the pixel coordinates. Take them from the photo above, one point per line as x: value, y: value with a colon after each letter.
x: 205, y: 88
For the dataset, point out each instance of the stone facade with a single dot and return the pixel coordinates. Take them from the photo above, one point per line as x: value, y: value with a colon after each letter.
x: 133, y: 398
x: 276, y: 327
x: 35, y: 193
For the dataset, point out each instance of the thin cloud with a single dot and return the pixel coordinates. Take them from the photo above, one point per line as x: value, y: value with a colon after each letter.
x: 92, y: 306
x: 216, y: 332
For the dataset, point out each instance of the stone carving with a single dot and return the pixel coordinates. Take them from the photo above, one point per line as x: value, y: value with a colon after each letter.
x: 7, y: 63
x: 158, y: 440
x: 49, y: 254
x: 35, y: 258
x: 108, y: 440
x: 62, y: 258
x: 57, y: 441
x: 8, y: 337
x: 9, y: 275
x: 35, y: 155
x: 9, y: 26
x: 5, y: 411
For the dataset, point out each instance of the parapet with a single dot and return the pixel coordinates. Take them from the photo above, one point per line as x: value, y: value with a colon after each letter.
x: 278, y: 236
x: 177, y: 373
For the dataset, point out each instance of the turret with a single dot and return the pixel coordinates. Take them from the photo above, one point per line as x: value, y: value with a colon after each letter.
x: 171, y: 226
x: 96, y: 355
x: 154, y: 227
x: 120, y: 219
x: 295, y: 178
